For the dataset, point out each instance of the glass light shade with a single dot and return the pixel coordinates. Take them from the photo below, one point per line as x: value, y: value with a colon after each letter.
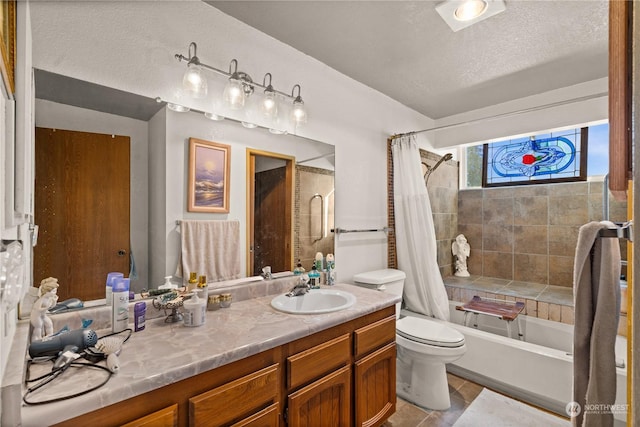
x: 177, y: 107
x: 194, y: 82
x: 471, y: 9
x: 299, y: 113
x: 234, y: 94
x: 269, y: 105
x: 213, y: 116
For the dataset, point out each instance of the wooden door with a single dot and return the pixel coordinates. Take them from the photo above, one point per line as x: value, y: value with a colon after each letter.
x: 269, y: 214
x: 270, y: 223
x: 326, y: 402
x: 82, y: 210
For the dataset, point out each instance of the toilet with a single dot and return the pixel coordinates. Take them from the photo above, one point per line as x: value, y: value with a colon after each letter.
x: 424, y: 346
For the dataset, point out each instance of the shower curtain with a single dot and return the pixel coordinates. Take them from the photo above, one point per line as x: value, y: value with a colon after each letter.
x: 424, y: 290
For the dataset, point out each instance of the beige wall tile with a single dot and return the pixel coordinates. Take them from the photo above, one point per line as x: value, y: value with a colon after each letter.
x: 470, y: 210
x: 561, y: 271
x: 569, y: 188
x: 531, y: 307
x: 554, y: 312
x: 497, y: 264
x: 530, y: 210
x: 563, y: 239
x: 498, y: 193
x: 455, y: 294
x: 497, y: 211
x: 530, y: 268
x: 566, y: 314
x: 568, y: 210
x: 530, y: 239
x: 470, y: 194
x: 622, y: 326
x: 543, y: 310
x: 497, y: 237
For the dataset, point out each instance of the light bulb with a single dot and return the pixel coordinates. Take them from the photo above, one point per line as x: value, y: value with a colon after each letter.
x: 471, y: 9
x: 194, y: 81
x: 234, y: 94
x: 269, y: 104
x: 299, y: 113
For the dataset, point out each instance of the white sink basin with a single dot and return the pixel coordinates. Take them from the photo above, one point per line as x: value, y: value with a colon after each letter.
x: 314, y: 302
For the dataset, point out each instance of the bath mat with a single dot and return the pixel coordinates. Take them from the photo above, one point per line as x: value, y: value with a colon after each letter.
x: 491, y: 409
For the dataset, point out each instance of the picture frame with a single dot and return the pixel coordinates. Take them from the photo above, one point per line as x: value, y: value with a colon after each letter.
x: 8, y: 43
x: 208, y: 179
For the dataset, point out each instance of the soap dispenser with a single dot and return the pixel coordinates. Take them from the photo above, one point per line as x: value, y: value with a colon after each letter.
x: 299, y: 270
x: 314, y: 278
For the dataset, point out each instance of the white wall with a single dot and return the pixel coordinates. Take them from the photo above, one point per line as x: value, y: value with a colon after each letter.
x: 58, y: 116
x: 566, y: 107
x: 131, y: 46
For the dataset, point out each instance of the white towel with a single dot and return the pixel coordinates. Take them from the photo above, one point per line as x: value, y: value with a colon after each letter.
x: 210, y: 248
x: 596, y: 290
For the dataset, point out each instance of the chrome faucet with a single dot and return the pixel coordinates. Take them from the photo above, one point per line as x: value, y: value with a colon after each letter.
x: 301, y: 288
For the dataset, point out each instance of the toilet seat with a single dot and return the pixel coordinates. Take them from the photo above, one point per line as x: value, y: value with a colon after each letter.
x: 428, y: 332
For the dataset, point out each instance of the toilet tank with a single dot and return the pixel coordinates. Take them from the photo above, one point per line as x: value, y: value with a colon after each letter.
x: 387, y: 280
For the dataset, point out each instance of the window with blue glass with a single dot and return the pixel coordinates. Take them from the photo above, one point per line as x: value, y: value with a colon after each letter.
x: 542, y: 158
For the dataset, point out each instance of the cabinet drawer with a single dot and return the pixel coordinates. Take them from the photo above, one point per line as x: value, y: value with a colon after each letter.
x: 374, y: 336
x: 311, y: 364
x: 236, y: 399
x: 167, y: 417
x: 267, y: 417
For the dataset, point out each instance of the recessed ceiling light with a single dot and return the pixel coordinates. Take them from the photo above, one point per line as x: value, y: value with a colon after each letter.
x: 470, y: 9
x: 249, y: 125
x: 459, y: 14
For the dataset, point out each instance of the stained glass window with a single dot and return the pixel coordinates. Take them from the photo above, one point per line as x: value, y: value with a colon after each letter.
x: 551, y: 157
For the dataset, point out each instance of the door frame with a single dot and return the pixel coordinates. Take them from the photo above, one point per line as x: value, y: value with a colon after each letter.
x: 289, y: 203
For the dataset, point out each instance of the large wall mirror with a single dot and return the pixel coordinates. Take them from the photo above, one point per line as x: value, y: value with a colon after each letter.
x: 91, y: 112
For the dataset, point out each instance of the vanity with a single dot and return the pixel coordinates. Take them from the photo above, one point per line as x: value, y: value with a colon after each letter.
x: 249, y: 365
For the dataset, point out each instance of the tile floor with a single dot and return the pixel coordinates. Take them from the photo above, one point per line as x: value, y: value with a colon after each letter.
x: 462, y: 393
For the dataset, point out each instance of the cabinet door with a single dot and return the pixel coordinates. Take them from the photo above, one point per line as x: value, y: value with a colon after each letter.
x: 375, y: 387
x: 325, y: 402
x: 167, y: 417
x: 237, y: 399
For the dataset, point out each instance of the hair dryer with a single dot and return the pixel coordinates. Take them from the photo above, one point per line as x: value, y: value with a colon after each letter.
x: 52, y: 346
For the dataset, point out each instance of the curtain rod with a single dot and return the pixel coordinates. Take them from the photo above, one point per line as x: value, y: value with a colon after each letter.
x: 497, y: 116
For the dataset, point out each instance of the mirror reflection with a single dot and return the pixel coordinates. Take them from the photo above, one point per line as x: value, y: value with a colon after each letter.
x: 80, y: 189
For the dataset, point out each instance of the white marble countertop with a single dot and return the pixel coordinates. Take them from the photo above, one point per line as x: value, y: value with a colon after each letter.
x: 164, y: 353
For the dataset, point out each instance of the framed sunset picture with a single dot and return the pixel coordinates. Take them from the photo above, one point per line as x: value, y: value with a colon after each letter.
x: 209, y: 164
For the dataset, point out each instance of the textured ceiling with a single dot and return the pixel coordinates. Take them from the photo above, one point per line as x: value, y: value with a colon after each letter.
x: 406, y: 51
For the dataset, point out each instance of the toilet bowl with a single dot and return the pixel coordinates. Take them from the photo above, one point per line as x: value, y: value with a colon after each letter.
x: 423, y: 347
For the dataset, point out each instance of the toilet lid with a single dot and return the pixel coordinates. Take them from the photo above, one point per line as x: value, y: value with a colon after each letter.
x: 429, y: 332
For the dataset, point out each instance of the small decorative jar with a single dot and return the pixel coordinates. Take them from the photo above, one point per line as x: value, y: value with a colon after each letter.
x: 225, y: 300
x: 213, y: 302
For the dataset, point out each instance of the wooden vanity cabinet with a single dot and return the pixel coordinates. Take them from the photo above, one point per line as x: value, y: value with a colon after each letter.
x: 348, y: 378
x: 342, y: 376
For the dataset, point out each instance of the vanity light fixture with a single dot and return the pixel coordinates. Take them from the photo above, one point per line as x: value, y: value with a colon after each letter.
x: 459, y: 14
x: 239, y: 87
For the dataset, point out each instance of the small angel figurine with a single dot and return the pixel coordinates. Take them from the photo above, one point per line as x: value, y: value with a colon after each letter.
x: 47, y: 293
x: 461, y: 250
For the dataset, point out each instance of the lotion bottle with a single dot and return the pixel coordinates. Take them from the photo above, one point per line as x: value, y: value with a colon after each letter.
x: 120, y: 305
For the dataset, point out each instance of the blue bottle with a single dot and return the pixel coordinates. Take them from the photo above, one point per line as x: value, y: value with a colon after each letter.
x: 314, y: 278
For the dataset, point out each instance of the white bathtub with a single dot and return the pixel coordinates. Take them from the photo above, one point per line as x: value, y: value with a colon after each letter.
x: 538, y: 371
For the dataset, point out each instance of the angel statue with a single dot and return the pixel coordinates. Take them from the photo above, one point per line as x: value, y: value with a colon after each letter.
x: 461, y: 250
x: 47, y: 293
